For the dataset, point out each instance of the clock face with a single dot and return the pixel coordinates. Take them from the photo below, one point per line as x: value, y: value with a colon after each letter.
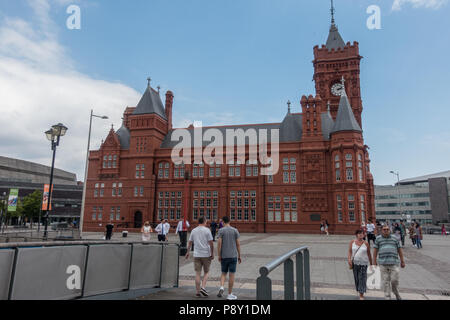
x: 337, y: 89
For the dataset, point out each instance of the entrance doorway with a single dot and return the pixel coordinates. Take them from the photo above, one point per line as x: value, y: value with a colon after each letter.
x: 138, y: 220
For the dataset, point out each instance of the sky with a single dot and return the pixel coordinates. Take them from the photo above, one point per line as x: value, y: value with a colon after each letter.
x: 227, y: 62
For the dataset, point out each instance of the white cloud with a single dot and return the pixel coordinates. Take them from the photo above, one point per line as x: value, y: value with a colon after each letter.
x: 39, y: 87
x: 432, y: 4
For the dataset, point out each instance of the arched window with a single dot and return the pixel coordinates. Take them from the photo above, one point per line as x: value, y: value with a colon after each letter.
x: 349, y: 174
x: 109, y: 161
x: 114, y: 161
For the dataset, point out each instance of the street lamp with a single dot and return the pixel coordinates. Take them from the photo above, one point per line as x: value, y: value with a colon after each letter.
x: 53, y: 135
x: 86, y: 169
x: 398, y: 192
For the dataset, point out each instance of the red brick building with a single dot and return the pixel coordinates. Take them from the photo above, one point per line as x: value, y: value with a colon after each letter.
x: 324, y: 164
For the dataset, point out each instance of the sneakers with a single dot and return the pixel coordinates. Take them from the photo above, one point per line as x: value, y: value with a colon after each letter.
x: 220, y: 294
x: 231, y: 297
x: 204, y: 292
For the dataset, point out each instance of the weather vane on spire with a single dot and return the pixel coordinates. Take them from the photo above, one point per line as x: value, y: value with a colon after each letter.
x: 332, y: 12
x: 289, y: 106
x: 149, y: 80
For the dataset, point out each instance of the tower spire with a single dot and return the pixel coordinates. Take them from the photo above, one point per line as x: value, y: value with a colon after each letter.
x: 332, y: 12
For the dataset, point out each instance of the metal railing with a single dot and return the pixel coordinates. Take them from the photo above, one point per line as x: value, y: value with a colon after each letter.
x: 79, y: 269
x: 37, y: 236
x: 264, y: 283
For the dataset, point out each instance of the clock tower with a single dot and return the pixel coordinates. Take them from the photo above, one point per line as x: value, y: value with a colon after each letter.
x: 332, y: 62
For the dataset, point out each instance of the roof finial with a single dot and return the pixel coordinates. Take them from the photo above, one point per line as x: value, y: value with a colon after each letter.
x: 328, y: 106
x: 112, y: 126
x: 159, y: 88
x: 149, y: 80
x: 289, y: 106
x: 343, y: 92
x: 332, y: 12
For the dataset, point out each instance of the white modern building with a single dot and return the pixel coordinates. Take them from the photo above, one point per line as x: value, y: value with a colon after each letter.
x: 424, y: 199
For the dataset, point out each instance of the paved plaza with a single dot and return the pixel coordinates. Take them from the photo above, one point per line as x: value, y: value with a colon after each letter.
x: 426, y: 276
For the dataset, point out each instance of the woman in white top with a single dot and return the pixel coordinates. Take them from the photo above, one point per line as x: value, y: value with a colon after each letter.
x: 146, y: 230
x: 359, y: 258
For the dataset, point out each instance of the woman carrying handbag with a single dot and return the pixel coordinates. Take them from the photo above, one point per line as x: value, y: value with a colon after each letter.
x: 359, y: 258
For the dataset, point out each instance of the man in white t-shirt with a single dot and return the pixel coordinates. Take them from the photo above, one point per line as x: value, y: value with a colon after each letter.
x: 202, y: 239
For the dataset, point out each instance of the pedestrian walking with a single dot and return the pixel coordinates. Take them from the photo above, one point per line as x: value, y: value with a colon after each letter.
x: 163, y: 230
x: 387, y: 251
x: 213, y: 227
x: 364, y: 229
x: 403, y: 232
x: 378, y: 228
x: 370, y: 231
x: 412, y: 234
x: 182, y: 228
x: 202, y: 239
x: 109, y: 230
x: 397, y: 231
x: 229, y: 254
x: 443, y: 231
x: 220, y: 224
x: 146, y: 230
x: 326, y: 227
x: 359, y: 258
x: 419, y: 236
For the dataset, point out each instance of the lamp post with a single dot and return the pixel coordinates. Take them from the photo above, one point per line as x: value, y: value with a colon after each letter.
x: 53, y: 135
x: 86, y: 169
x: 398, y: 192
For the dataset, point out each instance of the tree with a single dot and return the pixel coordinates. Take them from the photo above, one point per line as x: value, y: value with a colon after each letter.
x: 30, y: 205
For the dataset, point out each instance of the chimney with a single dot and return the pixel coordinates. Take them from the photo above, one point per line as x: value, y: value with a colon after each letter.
x: 169, y: 104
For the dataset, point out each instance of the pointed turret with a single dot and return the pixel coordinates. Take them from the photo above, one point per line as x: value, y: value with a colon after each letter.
x: 150, y: 103
x: 345, y: 119
x: 334, y: 40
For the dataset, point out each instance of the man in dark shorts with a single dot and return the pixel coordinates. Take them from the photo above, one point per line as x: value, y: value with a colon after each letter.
x: 229, y: 253
x: 370, y: 231
x: 109, y: 231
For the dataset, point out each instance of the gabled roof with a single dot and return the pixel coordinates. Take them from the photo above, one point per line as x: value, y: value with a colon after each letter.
x: 150, y: 103
x: 291, y: 128
x: 334, y: 40
x: 345, y: 119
